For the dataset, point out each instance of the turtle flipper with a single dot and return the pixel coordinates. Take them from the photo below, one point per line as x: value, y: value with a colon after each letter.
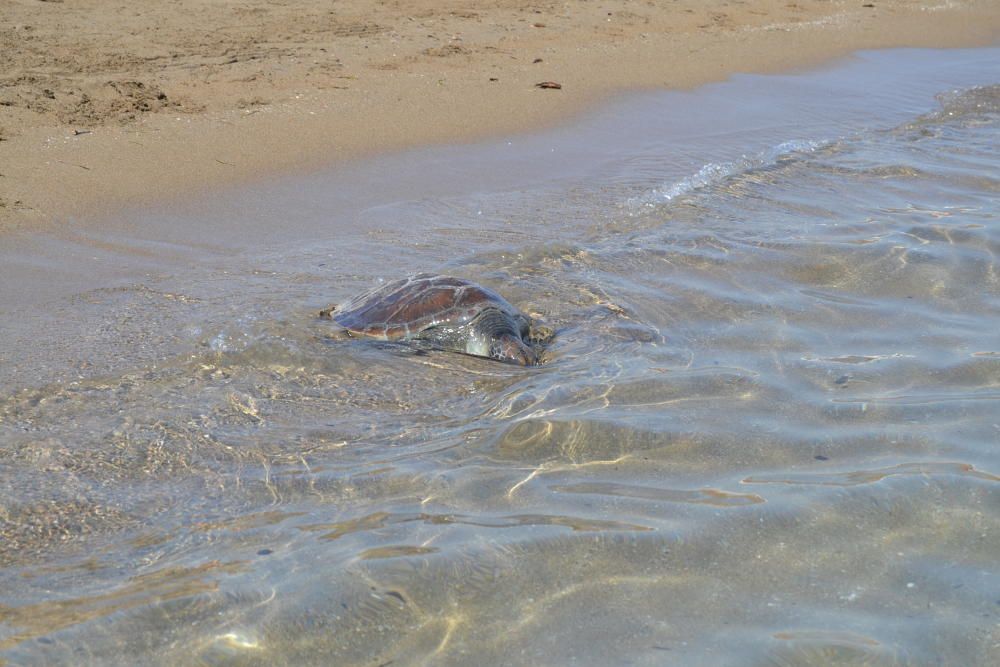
x: 335, y: 332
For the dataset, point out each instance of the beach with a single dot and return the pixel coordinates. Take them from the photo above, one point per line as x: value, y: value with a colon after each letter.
x: 105, y: 105
x: 763, y: 431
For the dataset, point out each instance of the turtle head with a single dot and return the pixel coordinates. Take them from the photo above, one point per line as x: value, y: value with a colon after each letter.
x: 498, y: 334
x: 511, y: 349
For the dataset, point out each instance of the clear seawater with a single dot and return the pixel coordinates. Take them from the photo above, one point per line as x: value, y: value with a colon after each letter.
x: 766, y: 432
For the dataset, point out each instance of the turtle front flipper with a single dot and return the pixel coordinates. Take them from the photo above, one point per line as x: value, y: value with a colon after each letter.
x: 335, y: 332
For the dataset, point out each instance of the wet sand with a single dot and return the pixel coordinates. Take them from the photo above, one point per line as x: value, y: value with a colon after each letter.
x: 103, y: 105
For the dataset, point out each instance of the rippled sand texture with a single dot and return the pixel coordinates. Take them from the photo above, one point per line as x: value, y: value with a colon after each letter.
x: 766, y: 434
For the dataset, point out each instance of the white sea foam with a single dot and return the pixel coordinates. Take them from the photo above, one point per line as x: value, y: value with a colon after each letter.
x: 717, y: 172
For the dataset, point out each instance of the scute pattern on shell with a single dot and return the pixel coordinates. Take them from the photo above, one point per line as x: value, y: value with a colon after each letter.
x: 400, y: 310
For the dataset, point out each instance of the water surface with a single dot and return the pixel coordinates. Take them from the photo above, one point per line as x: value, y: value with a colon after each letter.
x: 766, y: 432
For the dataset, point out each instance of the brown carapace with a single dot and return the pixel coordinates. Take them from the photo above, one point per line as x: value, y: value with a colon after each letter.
x: 446, y: 313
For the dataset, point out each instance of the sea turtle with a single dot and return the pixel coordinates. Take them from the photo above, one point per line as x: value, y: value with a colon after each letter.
x: 445, y: 313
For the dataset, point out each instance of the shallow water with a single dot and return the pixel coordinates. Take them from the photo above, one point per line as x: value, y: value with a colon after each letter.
x: 766, y: 432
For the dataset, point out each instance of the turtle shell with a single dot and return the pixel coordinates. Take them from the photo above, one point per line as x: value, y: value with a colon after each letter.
x: 400, y: 310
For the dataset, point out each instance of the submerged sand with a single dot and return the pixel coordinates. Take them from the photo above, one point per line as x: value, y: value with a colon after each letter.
x: 105, y: 103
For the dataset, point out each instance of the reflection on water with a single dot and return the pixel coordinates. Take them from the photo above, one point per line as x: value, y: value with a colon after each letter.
x: 766, y: 433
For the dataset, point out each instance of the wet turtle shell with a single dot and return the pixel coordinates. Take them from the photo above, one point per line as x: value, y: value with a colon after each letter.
x: 449, y: 312
x: 402, y: 309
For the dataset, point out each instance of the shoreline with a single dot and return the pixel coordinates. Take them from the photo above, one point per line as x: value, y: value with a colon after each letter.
x: 154, y: 112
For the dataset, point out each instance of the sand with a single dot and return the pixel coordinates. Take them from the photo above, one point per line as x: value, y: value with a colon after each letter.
x: 106, y: 104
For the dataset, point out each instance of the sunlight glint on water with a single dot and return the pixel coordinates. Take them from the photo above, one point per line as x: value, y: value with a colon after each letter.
x: 766, y: 434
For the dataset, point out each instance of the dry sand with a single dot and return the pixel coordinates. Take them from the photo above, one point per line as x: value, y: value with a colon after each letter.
x: 108, y: 103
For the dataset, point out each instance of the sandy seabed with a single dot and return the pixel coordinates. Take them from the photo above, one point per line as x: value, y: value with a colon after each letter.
x: 108, y: 103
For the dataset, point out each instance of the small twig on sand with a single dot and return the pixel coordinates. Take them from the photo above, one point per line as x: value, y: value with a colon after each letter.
x: 73, y: 164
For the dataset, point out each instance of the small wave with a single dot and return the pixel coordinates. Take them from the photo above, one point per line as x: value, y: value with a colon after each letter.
x: 716, y: 172
x: 972, y: 101
x: 858, y: 477
x: 963, y: 106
